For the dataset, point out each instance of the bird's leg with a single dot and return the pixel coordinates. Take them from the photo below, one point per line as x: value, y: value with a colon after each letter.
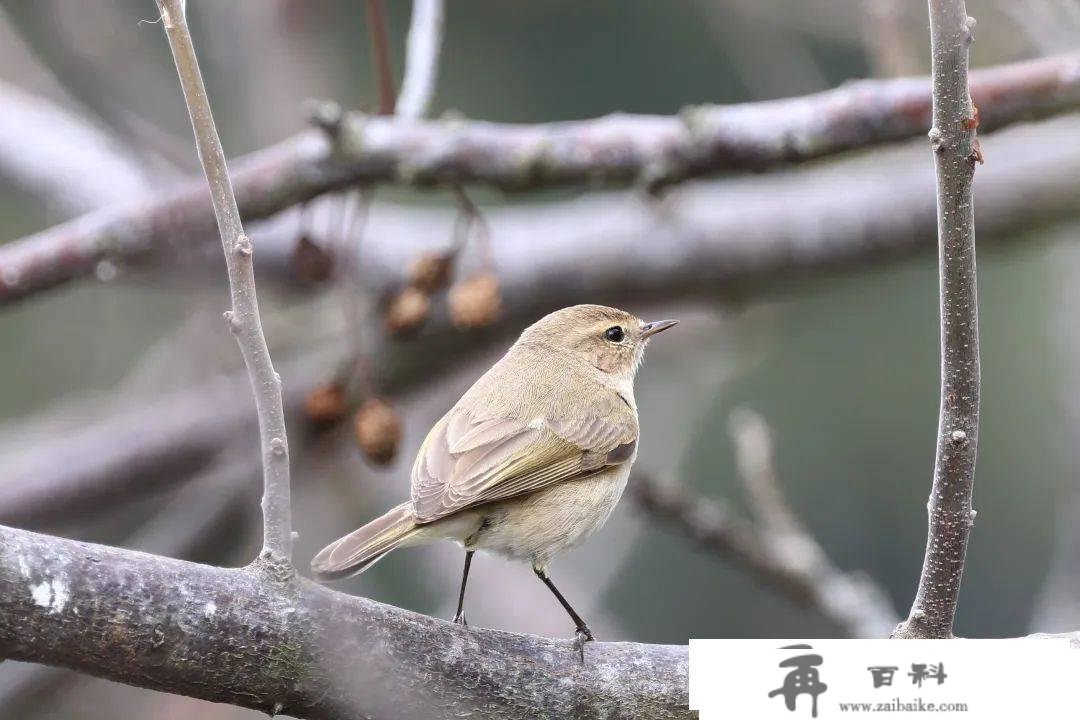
x: 459, y: 617
x: 584, y: 635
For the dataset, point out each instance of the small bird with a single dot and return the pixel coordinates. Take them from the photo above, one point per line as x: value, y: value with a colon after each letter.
x: 530, y: 461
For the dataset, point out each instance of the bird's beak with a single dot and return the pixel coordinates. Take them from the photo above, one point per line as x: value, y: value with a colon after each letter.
x: 650, y: 329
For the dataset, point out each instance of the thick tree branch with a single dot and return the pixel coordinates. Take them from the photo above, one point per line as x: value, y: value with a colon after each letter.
x: 299, y: 649
x: 956, y: 153
x: 613, y: 151
x: 243, y: 318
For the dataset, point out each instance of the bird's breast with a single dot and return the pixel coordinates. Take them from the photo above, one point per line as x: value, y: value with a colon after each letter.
x: 548, y: 522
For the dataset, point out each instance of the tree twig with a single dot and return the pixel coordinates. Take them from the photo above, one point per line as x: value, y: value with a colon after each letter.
x: 421, y: 59
x: 379, y: 33
x: 243, y: 318
x: 956, y: 153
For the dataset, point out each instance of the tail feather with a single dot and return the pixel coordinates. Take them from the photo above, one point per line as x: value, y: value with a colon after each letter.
x: 361, y: 548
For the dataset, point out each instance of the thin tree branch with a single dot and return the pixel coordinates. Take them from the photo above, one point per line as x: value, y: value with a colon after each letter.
x: 379, y: 33
x: 243, y: 318
x: 299, y: 649
x: 610, y: 151
x: 777, y: 550
x: 421, y: 59
x: 956, y: 153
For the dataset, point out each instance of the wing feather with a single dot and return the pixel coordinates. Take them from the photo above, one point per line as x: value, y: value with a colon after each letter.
x: 467, y: 461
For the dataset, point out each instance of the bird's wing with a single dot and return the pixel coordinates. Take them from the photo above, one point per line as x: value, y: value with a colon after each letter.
x: 467, y: 461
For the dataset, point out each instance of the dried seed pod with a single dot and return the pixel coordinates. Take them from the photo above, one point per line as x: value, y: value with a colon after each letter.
x: 326, y: 404
x: 378, y: 431
x: 311, y: 263
x: 407, y: 312
x: 476, y: 302
x: 430, y: 272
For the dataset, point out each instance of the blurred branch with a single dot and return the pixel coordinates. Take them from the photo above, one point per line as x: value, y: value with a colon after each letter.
x: 614, y: 151
x: 243, y: 318
x: 379, y: 33
x: 66, y: 161
x: 234, y: 636
x: 421, y: 59
x: 956, y: 152
x: 776, y: 549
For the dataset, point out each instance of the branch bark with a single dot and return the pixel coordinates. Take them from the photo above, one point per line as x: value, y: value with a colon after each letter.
x: 956, y: 153
x: 243, y: 318
x: 612, y: 151
x: 235, y: 636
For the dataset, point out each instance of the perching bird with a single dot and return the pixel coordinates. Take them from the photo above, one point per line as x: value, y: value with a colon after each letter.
x: 530, y: 461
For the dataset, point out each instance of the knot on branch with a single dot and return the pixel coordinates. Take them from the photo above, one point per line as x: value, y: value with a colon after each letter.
x: 936, y: 140
x: 326, y: 115
x: 968, y: 31
x: 273, y: 567
x: 232, y: 321
x: 243, y: 246
x: 277, y: 447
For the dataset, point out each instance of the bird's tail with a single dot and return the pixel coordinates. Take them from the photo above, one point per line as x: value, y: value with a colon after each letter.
x: 360, y: 549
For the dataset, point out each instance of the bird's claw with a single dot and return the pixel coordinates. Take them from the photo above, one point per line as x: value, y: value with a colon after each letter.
x: 583, y: 636
x: 459, y: 619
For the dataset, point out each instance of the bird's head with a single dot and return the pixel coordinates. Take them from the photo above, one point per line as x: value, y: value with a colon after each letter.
x: 611, y: 340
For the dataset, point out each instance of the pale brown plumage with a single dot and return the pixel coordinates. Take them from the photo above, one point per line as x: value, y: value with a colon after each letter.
x: 532, y: 459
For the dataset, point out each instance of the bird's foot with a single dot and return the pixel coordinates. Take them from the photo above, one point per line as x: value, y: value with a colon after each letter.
x: 584, y: 635
x: 459, y: 619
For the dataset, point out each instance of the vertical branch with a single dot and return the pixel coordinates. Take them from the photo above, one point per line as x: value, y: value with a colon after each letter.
x: 421, y: 58
x: 955, y: 153
x: 380, y: 54
x: 243, y: 318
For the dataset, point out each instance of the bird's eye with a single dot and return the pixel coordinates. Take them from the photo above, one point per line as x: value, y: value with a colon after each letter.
x: 614, y: 334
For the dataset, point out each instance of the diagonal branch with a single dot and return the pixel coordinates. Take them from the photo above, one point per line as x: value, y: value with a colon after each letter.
x: 237, y: 637
x: 243, y: 318
x: 777, y: 549
x: 955, y: 153
x: 612, y: 151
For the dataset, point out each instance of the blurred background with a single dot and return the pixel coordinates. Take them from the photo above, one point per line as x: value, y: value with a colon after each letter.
x: 841, y: 365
